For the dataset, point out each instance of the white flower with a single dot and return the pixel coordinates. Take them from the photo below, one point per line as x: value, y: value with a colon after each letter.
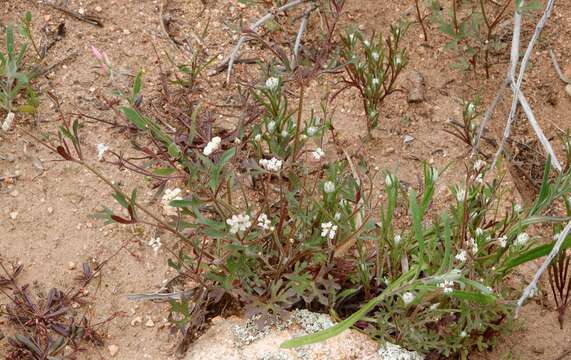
x: 258, y: 137
x: 479, y: 179
x: 461, y: 256
x: 471, y: 108
x: 239, y: 222
x: 398, y: 60
x: 7, y: 125
x: 366, y: 43
x: 556, y: 236
x: 375, y: 82
x: 434, y: 306
x: 169, y: 196
x: 479, y: 165
x: 318, y: 154
x: 447, y: 286
x: 271, y: 126
x: 375, y: 55
x: 155, y: 244
x: 101, y: 149
x: 518, y: 208
x: 328, y: 230
x: 397, y: 239
x: 237, y: 141
x: 408, y: 297
x: 272, y: 83
x: 284, y: 133
x: 351, y: 37
x: 329, y: 187
x: 264, y: 222
x: 273, y: 164
x: 337, y: 216
x: 474, y: 246
x: 312, y: 130
x: 503, y: 240
x: 479, y: 232
x: 463, y: 334
x: 521, y: 239
x: 461, y: 195
x: 212, y: 146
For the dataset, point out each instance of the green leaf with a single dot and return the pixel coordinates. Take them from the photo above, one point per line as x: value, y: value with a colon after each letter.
x: 134, y: 117
x: 121, y: 199
x: 484, y: 299
x: 532, y: 254
x: 417, y: 225
x: 173, y: 150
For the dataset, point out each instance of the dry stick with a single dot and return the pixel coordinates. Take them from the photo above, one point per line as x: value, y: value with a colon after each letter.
x: 516, y: 90
x: 230, y: 60
x: 532, y: 286
x: 488, y: 115
x: 557, y: 68
x: 297, y: 46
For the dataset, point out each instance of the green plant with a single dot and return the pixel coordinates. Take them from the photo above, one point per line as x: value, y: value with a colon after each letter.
x: 473, y: 28
x: 372, y: 67
x: 13, y: 80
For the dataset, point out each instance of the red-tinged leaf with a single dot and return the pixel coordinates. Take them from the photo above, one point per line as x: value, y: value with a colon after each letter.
x: 121, y: 220
x: 63, y: 153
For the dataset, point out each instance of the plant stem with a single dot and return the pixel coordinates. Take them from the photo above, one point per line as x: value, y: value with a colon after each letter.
x: 421, y: 21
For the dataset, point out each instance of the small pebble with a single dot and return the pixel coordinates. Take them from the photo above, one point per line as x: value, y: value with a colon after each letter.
x: 71, y: 265
x: 568, y: 89
x: 150, y: 323
x: 50, y: 210
x: 81, y: 11
x: 407, y: 139
x: 13, y: 215
x: 113, y: 350
x: 14, y: 193
x: 98, y: 8
x: 136, y: 321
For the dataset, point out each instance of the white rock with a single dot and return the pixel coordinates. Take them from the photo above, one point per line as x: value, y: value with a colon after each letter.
x: 136, y: 321
x: 71, y: 265
x: 150, y: 323
x: 113, y: 350
x: 7, y: 125
x: 568, y: 89
x: 13, y: 215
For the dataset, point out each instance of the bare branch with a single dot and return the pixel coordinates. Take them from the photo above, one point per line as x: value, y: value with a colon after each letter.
x: 297, y: 46
x: 557, y: 68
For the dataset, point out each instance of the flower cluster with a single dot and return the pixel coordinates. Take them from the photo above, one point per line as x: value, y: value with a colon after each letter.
x: 462, y: 256
x: 329, y: 187
x: 264, y: 222
x: 155, y: 244
x: 473, y: 245
x: 447, y: 286
x: 318, y: 154
x: 212, y: 146
x: 168, y: 196
x: 272, y: 83
x: 408, y: 297
x: 273, y: 164
x: 521, y: 239
x: 328, y: 230
x: 239, y: 222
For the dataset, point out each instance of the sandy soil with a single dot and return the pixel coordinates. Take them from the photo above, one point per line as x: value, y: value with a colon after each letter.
x: 55, y: 202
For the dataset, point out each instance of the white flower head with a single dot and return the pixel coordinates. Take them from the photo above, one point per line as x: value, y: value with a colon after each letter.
x: 518, y: 208
x: 7, y: 124
x: 168, y: 196
x: 447, y: 286
x: 479, y: 179
x: 284, y: 134
x: 376, y: 82
x: 479, y: 165
x: 101, y: 149
x: 337, y: 216
x: 264, y: 222
x: 318, y: 154
x: 463, y: 334
x: 273, y: 164
x: 272, y: 83
x: 271, y: 126
x: 398, y: 60
x: 329, y: 187
x: 397, y: 239
x: 503, y: 241
x: 366, y: 43
x: 408, y: 297
x: 212, y: 146
x: 462, y: 256
x: 258, y: 138
x: 238, y: 223
x: 351, y: 37
x: 473, y: 246
x: 461, y: 195
x: 155, y: 244
x: 328, y: 230
x: 479, y: 232
x: 471, y: 108
x: 389, y: 181
x: 521, y: 239
x: 311, y: 131
x: 375, y: 55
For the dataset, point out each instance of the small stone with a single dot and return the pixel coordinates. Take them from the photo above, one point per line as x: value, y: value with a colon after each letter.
x: 14, y: 215
x: 416, y: 92
x: 538, y: 349
x: 390, y: 150
x: 50, y: 210
x: 150, y: 323
x: 113, y: 350
x: 126, y: 32
x: 81, y: 11
x: 407, y: 139
x: 568, y: 89
x: 136, y: 321
x: 47, y: 18
x: 98, y: 8
x: 71, y: 265
x: 14, y: 193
